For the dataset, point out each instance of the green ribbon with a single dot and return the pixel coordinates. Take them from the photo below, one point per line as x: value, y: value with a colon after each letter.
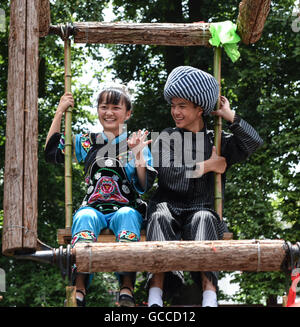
x: 224, y: 34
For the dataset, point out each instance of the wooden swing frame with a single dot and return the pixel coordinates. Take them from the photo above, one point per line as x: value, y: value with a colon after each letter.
x: 30, y: 20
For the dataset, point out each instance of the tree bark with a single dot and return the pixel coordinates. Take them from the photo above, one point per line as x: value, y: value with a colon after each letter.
x: 246, y: 255
x: 30, y: 211
x: 251, y: 19
x: 44, y: 17
x: 13, y: 175
x: 174, y: 34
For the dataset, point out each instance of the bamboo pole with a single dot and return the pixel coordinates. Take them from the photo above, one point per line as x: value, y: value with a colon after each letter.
x: 71, y: 296
x: 68, y: 139
x: 218, y: 131
x: 70, y: 290
x: 242, y: 255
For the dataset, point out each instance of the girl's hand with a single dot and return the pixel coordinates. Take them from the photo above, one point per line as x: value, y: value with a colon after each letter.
x: 65, y: 102
x: 224, y: 111
x: 136, y: 142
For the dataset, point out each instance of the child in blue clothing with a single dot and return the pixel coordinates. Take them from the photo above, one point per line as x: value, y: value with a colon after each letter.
x: 117, y: 170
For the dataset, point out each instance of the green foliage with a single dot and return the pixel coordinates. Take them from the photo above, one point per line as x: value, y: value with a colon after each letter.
x: 103, y: 291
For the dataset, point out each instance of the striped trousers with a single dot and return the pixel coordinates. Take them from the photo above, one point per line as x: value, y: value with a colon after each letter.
x: 167, y: 222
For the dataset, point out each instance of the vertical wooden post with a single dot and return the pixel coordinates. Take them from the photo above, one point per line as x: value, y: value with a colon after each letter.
x: 44, y: 17
x: 218, y: 132
x: 68, y: 139
x: 251, y: 19
x: 13, y: 175
x: 30, y: 211
x: 20, y: 177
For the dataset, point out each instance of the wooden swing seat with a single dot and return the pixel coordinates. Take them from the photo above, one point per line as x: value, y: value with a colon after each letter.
x: 64, y: 236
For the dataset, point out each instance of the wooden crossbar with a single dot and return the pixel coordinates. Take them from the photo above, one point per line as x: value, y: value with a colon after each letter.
x: 243, y: 255
x: 173, y: 34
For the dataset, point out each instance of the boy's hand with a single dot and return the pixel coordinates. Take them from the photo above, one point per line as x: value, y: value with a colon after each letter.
x: 136, y: 143
x: 216, y: 163
x: 65, y: 102
x: 224, y: 111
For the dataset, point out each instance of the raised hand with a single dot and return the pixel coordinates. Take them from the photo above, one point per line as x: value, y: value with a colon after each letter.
x: 224, y: 111
x: 65, y: 102
x: 137, y: 142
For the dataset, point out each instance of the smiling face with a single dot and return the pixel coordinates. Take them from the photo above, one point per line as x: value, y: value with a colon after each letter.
x: 113, y: 111
x: 186, y: 115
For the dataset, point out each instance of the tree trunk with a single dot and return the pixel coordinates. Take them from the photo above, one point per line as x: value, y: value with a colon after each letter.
x: 195, y: 56
x: 195, y: 12
x: 174, y: 56
x: 44, y: 17
x: 247, y: 255
x: 30, y: 212
x: 20, y: 178
x: 251, y: 19
x: 13, y: 176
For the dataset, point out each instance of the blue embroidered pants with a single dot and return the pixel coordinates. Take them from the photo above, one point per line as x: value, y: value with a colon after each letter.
x: 125, y: 223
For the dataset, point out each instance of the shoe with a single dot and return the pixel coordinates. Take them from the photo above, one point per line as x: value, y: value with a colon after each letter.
x: 155, y: 305
x: 126, y: 300
x: 80, y: 302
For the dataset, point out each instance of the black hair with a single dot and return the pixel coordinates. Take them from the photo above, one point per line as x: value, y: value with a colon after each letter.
x: 114, y: 95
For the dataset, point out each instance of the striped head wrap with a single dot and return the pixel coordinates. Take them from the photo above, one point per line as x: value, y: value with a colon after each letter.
x: 192, y: 84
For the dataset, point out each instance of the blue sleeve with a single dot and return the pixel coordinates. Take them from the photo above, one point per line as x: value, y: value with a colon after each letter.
x: 55, y: 148
x: 82, y: 146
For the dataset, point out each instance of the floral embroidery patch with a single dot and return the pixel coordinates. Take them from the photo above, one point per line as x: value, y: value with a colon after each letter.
x: 85, y: 236
x: 126, y: 236
x: 85, y: 142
